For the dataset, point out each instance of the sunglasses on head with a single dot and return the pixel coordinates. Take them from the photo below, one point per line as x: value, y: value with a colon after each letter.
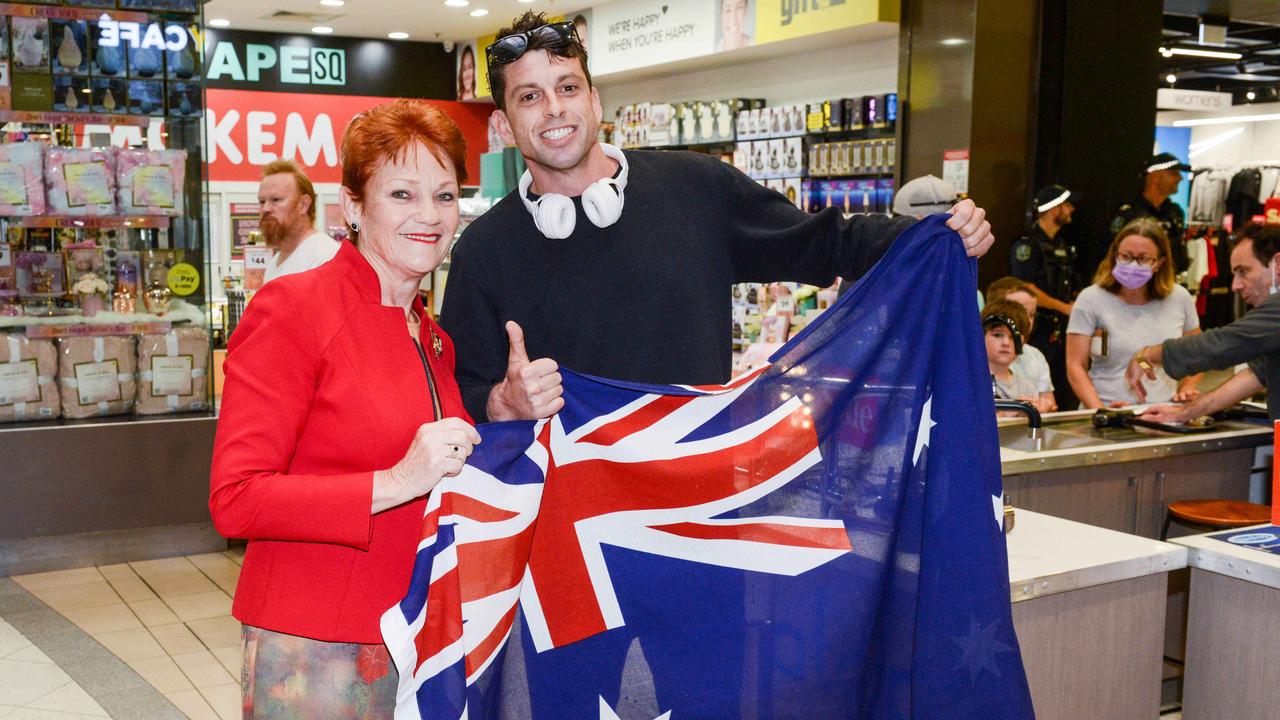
x: 510, y: 48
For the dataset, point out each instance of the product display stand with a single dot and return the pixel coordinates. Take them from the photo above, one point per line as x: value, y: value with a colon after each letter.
x: 106, y: 419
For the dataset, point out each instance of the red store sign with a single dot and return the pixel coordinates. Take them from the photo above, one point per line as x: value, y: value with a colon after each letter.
x: 248, y: 129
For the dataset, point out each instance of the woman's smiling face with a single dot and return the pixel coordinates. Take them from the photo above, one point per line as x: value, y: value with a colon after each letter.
x: 409, y: 211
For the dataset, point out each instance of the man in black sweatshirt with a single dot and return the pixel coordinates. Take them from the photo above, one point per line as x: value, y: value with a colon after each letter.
x: 619, y: 264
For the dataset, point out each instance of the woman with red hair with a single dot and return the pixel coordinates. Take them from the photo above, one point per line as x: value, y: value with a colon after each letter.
x: 340, y: 413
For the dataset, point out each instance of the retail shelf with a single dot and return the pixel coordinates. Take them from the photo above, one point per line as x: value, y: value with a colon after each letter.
x: 65, y: 221
x: 106, y: 322
x: 72, y: 13
x: 875, y: 133
x: 73, y: 118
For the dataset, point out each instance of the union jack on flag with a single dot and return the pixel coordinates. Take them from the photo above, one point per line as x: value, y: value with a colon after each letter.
x: 814, y: 540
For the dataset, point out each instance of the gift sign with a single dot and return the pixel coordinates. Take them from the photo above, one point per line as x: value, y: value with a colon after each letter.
x: 170, y: 375
x: 98, y: 382
x: 153, y: 186
x: 19, y: 382
x: 255, y: 265
x: 13, y: 184
x: 87, y: 184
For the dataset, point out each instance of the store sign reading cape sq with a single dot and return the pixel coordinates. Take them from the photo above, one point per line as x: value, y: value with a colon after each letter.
x: 297, y: 64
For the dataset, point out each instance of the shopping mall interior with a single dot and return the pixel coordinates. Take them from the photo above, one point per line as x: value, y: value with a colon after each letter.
x: 1134, y: 569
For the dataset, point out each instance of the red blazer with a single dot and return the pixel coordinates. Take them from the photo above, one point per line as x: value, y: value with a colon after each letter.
x: 323, y: 387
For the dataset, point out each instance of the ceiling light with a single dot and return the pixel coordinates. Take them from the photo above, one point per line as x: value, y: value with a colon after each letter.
x: 1166, y: 52
x: 1194, y: 52
x: 1171, y: 78
x: 1251, y: 95
x: 457, y: 3
x: 322, y: 30
x: 952, y: 41
x: 479, y: 12
x: 1227, y: 120
x: 398, y: 35
x: 220, y: 22
x: 524, y: 1
x: 333, y: 3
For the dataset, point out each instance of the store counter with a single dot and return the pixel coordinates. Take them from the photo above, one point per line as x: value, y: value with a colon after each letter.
x: 1123, y: 478
x: 112, y: 463
x: 1088, y: 608
x: 1233, y: 634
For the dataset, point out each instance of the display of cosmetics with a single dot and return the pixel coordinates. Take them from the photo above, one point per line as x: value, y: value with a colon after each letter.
x: 804, y: 157
x: 657, y: 124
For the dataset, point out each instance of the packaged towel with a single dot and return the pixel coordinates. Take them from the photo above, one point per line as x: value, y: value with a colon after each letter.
x: 28, y: 379
x: 22, y: 179
x: 80, y: 181
x: 96, y: 376
x: 149, y: 182
x: 173, y: 370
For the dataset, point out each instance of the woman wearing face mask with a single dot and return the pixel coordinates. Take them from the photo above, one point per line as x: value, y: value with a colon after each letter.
x: 1133, y: 302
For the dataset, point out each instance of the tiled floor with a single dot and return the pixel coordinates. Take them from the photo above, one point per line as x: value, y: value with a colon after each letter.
x: 169, y: 620
x: 33, y: 687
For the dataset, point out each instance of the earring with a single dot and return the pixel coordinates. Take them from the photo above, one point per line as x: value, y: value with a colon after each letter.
x: 355, y: 227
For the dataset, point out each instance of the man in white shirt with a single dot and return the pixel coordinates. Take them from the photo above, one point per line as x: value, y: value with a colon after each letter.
x: 288, y: 207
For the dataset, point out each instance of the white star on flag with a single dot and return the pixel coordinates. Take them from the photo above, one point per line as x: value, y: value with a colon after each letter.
x: 607, y: 713
x: 922, y: 435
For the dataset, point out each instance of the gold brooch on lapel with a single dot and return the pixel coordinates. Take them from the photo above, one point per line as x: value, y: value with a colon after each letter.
x: 437, y: 345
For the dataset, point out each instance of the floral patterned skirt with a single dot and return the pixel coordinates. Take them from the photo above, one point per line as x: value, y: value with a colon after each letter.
x: 285, y: 676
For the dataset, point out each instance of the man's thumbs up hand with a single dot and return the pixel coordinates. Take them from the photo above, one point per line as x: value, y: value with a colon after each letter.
x: 531, y: 390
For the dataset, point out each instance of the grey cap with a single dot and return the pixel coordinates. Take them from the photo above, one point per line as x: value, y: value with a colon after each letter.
x: 925, y: 195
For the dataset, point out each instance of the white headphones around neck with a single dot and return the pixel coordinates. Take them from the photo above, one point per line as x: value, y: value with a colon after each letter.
x: 554, y: 214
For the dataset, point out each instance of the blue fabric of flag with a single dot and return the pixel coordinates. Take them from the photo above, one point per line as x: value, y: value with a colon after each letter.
x: 819, y: 540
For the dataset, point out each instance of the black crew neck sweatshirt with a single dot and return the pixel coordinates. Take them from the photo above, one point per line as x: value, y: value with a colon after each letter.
x: 646, y: 299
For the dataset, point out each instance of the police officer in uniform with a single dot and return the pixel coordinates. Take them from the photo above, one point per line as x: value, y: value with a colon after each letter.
x: 1161, y: 175
x: 1044, y: 259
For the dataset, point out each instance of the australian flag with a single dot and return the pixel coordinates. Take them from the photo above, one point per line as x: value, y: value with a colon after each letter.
x: 819, y: 539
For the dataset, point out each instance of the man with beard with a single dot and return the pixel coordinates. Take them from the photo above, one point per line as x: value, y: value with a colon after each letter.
x: 1161, y: 176
x: 1252, y: 339
x: 288, y: 219
x: 1047, y: 263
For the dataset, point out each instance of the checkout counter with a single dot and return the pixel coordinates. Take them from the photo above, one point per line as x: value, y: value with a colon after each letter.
x: 1233, y: 639
x: 1089, y: 611
x: 1122, y: 478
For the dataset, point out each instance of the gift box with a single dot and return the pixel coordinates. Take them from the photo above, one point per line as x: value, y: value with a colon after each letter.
x: 28, y: 379
x: 146, y: 97
x: 40, y: 274
x: 184, y: 100
x: 150, y: 182
x: 71, y: 94
x: 107, y: 61
x: 70, y: 47
x: 96, y: 376
x: 30, y: 43
x: 22, y: 179
x: 173, y: 372
x: 80, y: 182
x: 182, y: 64
x: 108, y: 95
